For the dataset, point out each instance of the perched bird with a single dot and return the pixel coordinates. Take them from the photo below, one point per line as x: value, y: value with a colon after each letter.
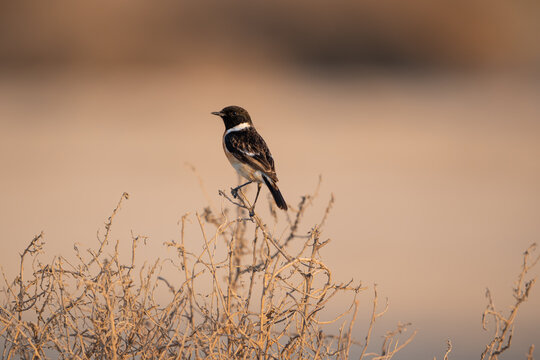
x: 248, y: 153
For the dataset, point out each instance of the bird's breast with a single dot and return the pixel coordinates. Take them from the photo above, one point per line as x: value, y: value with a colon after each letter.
x: 243, y: 169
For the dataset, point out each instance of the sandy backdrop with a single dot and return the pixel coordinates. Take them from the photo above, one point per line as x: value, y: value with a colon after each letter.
x: 436, y: 178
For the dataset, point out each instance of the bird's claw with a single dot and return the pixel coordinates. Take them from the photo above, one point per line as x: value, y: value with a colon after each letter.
x: 234, y: 193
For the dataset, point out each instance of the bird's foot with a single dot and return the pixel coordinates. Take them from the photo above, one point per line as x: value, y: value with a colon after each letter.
x: 251, y: 212
x: 234, y: 192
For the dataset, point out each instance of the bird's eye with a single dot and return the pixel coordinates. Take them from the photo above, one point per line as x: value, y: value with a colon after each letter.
x: 235, y: 113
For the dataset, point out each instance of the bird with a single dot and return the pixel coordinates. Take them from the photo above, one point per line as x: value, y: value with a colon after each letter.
x: 248, y: 153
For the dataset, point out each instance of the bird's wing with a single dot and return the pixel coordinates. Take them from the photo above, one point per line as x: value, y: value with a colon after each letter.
x: 249, y: 147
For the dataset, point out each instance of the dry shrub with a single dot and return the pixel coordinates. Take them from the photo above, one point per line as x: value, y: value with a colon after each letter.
x: 265, y: 300
x: 504, y: 325
x: 503, y: 328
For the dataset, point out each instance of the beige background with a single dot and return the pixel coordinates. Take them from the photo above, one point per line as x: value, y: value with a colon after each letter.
x: 434, y: 167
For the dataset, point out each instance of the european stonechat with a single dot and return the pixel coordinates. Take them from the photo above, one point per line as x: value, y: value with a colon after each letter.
x: 248, y: 153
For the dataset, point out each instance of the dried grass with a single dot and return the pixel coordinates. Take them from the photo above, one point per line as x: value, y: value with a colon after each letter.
x: 264, y: 301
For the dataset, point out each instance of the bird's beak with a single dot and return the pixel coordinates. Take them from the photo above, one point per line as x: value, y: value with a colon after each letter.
x: 218, y: 113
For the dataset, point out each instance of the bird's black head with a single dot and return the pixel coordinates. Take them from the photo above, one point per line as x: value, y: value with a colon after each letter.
x: 233, y: 115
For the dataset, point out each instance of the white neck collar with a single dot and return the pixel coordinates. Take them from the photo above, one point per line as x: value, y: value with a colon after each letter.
x: 238, y: 127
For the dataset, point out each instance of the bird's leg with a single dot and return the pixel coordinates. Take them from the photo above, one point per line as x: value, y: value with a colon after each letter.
x: 252, y: 210
x: 234, y: 192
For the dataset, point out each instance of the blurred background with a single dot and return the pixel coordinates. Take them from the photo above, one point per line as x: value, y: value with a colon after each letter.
x: 421, y: 116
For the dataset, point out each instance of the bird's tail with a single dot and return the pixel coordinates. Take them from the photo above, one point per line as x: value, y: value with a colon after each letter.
x: 280, y: 201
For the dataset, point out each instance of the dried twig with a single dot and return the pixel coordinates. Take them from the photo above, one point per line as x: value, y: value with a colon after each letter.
x: 504, y: 325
